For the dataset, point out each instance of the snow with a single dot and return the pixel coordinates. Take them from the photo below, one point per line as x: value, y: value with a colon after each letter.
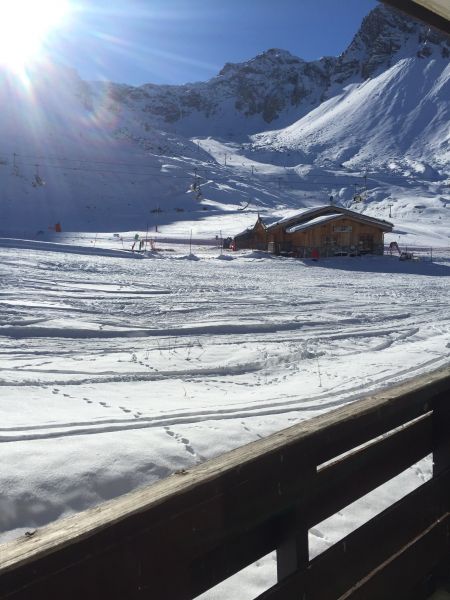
x: 369, y: 122
x: 113, y: 158
x: 116, y: 372
x: 322, y: 219
x: 118, y: 368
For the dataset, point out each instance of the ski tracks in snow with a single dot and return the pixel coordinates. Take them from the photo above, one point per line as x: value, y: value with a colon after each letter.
x: 317, y: 403
x: 260, y: 338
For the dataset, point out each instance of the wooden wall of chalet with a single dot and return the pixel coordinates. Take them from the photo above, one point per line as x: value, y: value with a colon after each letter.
x: 341, y: 233
x: 253, y: 239
x: 260, y: 235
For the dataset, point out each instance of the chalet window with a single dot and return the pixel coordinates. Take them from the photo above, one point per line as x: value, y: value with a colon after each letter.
x: 329, y: 241
x: 366, y: 241
x: 342, y: 228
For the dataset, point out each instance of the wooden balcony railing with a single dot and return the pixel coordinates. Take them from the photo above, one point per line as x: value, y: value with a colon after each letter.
x: 185, y: 534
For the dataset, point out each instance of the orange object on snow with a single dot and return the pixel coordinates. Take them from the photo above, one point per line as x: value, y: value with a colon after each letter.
x: 315, y: 254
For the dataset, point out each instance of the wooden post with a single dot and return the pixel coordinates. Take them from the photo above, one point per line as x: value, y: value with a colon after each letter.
x: 441, y: 465
x: 441, y: 435
x: 293, y: 553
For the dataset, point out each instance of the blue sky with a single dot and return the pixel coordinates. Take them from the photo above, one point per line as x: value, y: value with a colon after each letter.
x: 176, y: 41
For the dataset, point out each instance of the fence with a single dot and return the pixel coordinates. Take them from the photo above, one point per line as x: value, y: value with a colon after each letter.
x: 413, y: 252
x: 183, y: 535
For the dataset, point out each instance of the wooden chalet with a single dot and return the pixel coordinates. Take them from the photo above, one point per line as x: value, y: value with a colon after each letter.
x: 254, y: 238
x: 325, y: 231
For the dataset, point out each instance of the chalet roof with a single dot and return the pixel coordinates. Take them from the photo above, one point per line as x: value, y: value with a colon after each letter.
x: 304, y: 212
x: 307, y: 215
x: 311, y: 223
x: 248, y: 232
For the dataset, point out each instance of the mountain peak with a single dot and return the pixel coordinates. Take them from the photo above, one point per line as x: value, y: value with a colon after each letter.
x: 278, y: 55
x: 384, y: 32
x: 273, y: 57
x: 278, y: 88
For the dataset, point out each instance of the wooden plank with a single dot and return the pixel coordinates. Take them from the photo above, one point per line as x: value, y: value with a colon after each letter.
x: 402, y: 573
x: 347, y: 562
x: 441, y: 434
x: 351, y: 559
x: 230, y: 557
x: 421, y: 13
x: 341, y: 483
x: 112, y: 547
x: 186, y: 528
x: 394, y: 410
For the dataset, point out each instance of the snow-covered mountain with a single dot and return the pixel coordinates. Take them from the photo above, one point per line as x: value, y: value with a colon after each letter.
x: 271, y: 134
x: 276, y: 88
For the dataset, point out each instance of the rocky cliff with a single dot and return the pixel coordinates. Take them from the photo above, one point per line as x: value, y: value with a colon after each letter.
x: 276, y: 88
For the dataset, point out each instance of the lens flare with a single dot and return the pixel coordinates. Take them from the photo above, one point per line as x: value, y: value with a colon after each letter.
x: 24, y: 28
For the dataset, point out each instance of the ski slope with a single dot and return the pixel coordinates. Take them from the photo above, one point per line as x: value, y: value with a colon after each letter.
x: 117, y: 369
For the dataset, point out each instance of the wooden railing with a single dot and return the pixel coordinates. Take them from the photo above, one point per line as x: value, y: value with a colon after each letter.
x: 182, y: 536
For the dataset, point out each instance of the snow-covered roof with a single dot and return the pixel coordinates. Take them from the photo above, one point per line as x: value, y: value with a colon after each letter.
x: 300, y: 213
x: 246, y: 232
x: 307, y: 216
x: 250, y: 230
x: 316, y: 221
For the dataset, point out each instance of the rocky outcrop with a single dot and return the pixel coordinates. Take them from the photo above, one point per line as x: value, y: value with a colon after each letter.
x: 382, y: 35
x: 276, y: 82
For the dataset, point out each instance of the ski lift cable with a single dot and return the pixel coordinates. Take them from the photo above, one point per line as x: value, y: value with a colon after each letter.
x: 289, y: 179
x: 88, y: 161
x: 116, y: 172
x: 157, y: 167
x: 143, y: 173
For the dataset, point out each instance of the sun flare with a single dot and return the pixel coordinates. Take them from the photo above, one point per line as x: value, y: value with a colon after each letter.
x: 24, y: 28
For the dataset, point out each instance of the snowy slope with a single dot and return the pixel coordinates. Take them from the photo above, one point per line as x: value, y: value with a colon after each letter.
x: 267, y: 136
x: 402, y: 115
x: 117, y: 371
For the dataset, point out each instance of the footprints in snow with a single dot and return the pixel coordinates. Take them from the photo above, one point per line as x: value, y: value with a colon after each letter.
x: 136, y: 413
x: 181, y: 440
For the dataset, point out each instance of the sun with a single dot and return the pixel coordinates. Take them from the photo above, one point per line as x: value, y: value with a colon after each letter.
x: 24, y: 29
